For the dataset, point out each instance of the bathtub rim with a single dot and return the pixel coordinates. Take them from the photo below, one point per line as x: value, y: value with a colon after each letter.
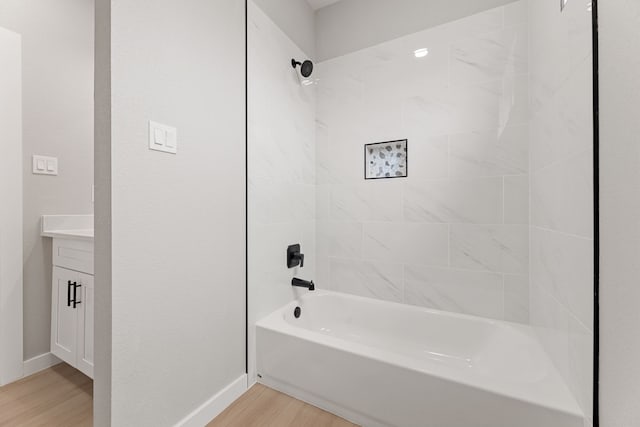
x: 276, y: 322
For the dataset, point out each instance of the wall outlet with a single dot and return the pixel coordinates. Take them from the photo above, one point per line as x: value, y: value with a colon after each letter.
x: 43, y: 165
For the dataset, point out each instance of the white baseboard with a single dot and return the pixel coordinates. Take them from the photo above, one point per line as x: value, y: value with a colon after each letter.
x: 39, y: 363
x: 216, y: 404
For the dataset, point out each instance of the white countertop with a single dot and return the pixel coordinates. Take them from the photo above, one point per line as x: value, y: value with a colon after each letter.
x: 78, y: 227
x: 69, y: 234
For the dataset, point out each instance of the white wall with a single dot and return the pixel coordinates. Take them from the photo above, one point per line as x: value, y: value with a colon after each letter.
x: 351, y: 25
x: 177, y: 290
x: 57, y: 90
x: 562, y: 189
x: 281, y: 150
x: 296, y: 19
x: 11, y: 354
x: 454, y: 234
x: 619, y: 212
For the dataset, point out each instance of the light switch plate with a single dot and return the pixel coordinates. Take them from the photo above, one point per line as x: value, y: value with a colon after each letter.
x: 43, y: 165
x: 163, y: 138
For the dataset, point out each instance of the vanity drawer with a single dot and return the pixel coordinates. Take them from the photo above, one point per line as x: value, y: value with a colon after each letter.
x: 73, y: 254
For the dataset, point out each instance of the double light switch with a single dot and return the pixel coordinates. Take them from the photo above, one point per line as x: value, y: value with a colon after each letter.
x: 163, y: 138
x: 43, y: 165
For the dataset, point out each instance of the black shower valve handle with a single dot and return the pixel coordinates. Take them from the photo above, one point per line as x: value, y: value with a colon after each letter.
x: 294, y: 256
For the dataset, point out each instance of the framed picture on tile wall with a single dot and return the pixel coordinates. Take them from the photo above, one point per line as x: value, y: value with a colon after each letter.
x: 386, y: 160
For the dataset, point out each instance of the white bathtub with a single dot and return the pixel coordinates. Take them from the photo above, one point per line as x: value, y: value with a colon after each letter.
x: 384, y: 364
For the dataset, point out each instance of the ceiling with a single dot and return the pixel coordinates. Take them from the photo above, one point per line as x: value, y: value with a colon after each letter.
x: 319, y: 4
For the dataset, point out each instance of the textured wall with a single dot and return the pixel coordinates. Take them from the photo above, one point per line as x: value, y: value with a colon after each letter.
x: 177, y: 221
x: 454, y: 234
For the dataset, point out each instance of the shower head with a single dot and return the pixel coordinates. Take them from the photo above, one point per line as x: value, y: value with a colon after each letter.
x: 306, y: 67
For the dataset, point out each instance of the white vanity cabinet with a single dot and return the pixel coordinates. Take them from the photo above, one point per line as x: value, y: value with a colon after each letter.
x: 72, y: 303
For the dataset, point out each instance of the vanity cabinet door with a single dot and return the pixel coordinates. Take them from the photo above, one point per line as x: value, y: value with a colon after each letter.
x: 63, y: 316
x: 85, y: 325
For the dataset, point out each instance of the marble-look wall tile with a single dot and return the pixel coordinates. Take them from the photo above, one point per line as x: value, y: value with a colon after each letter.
x: 490, y: 153
x: 429, y: 159
x: 489, y: 56
x: 562, y: 196
x: 561, y: 168
x: 581, y: 364
x: 340, y: 239
x: 516, y: 13
x: 490, y: 105
x: 271, y: 202
x: 516, y: 199
x: 281, y: 152
x: 563, y: 265
x: 563, y: 127
x: 464, y: 110
x: 428, y: 115
x: 551, y: 321
x: 516, y: 298
x: 406, y: 243
x: 467, y: 292
x: 368, y: 201
x: 365, y: 278
x: 462, y: 201
x: 496, y: 248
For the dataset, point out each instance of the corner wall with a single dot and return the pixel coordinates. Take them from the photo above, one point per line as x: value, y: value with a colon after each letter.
x: 176, y: 321
x: 561, y: 163
x: 281, y: 149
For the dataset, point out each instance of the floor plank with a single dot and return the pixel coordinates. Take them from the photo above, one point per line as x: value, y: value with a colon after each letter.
x: 58, y: 396
x: 263, y: 407
x: 62, y: 396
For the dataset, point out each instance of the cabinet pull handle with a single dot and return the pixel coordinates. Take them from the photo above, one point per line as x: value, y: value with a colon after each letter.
x: 75, y: 296
x: 69, y: 284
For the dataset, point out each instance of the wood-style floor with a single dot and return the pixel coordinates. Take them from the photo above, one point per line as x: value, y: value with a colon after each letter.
x: 60, y: 396
x: 262, y: 407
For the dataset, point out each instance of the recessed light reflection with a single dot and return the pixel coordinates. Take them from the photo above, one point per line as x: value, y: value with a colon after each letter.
x: 421, y: 53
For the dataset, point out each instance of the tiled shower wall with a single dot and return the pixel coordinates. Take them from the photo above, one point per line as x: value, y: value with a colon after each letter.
x: 562, y: 188
x: 281, y: 169
x: 454, y: 234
